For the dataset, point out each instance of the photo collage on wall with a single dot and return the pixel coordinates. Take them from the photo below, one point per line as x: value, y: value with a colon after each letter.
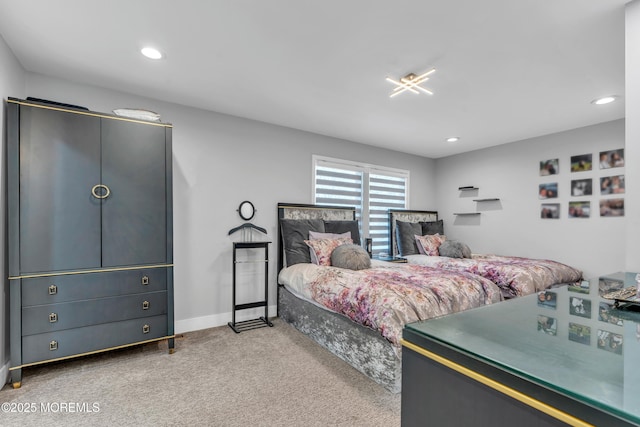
x: 602, y: 181
x: 579, y: 326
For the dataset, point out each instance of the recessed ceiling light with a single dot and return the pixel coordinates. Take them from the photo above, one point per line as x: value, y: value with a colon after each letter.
x: 453, y: 139
x: 604, y: 100
x: 151, y: 53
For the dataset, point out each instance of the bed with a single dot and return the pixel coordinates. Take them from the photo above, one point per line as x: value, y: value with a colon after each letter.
x: 359, y: 314
x: 516, y: 276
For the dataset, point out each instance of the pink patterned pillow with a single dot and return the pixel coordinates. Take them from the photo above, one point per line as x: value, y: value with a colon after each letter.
x: 429, y: 244
x: 316, y: 235
x: 324, y: 247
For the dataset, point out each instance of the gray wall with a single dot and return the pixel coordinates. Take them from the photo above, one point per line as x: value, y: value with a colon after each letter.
x: 12, y: 83
x: 513, y: 225
x: 219, y: 161
x: 632, y: 106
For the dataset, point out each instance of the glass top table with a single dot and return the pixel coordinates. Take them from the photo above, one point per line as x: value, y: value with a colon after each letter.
x: 566, y: 339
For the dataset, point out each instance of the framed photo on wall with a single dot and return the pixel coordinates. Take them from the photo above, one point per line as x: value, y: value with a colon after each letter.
x: 612, y: 159
x: 550, y: 211
x: 548, y: 191
x: 612, y: 184
x: 579, y: 209
x: 583, y: 162
x: 549, y: 167
x: 612, y: 207
x: 581, y: 187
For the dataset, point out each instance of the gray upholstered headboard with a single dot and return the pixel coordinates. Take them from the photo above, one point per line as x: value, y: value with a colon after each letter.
x: 304, y: 211
x: 407, y: 216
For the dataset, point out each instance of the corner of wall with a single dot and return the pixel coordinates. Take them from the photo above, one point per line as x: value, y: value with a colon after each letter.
x: 12, y: 83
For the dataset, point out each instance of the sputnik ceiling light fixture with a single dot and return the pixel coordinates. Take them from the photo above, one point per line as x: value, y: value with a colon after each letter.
x: 411, y: 83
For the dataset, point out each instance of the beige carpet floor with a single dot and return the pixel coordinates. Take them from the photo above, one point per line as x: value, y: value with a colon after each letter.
x: 264, y: 377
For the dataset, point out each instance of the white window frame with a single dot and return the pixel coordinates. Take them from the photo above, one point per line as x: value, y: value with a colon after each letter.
x: 366, y: 169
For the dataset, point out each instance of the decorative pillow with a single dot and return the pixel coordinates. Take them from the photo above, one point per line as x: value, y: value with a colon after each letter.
x: 340, y: 227
x: 315, y: 235
x: 430, y: 243
x: 432, y: 227
x: 406, y: 242
x: 353, y: 257
x: 454, y: 249
x: 294, y: 233
x: 324, y: 247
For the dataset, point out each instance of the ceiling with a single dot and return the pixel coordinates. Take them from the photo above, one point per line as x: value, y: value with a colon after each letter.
x: 506, y: 70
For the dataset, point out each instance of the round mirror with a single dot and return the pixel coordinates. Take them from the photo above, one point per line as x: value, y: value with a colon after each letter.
x: 246, y: 210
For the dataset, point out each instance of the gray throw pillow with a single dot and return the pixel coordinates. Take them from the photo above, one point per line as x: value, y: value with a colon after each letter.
x: 454, y: 249
x: 353, y: 257
x: 405, y: 237
x: 432, y: 227
x: 294, y: 233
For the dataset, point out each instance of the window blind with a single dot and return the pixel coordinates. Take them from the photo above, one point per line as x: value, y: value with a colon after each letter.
x: 371, y: 190
x: 338, y: 187
x: 385, y: 192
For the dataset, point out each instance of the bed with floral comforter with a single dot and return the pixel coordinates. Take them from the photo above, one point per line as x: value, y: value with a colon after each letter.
x: 388, y: 296
x: 515, y: 276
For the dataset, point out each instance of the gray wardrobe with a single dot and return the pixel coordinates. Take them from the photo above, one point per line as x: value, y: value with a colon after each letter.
x: 89, y: 244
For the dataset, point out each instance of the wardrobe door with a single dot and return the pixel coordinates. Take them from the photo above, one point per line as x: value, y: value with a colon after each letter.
x: 134, y: 215
x: 59, y: 165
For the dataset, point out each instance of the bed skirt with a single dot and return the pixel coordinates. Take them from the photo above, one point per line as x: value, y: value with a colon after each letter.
x: 361, y: 347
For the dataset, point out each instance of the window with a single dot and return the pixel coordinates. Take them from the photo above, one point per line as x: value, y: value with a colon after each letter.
x: 373, y: 190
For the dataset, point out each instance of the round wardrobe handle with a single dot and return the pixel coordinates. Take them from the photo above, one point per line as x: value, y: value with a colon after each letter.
x: 104, y: 195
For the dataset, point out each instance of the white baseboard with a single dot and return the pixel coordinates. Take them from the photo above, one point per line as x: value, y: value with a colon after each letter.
x: 214, y: 320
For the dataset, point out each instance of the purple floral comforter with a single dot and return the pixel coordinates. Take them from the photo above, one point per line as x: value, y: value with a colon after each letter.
x: 387, y: 298
x: 514, y: 275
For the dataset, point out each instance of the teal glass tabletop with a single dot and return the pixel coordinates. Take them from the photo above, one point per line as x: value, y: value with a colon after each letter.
x: 568, y: 339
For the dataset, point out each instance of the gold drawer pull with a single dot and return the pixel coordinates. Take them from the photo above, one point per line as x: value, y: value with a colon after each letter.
x: 53, y: 317
x: 53, y: 289
x: 146, y: 329
x: 145, y: 305
x: 145, y: 280
x: 53, y: 345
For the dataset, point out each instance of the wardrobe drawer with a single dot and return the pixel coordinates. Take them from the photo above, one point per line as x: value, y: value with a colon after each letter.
x: 56, y: 317
x: 53, y: 345
x: 55, y: 289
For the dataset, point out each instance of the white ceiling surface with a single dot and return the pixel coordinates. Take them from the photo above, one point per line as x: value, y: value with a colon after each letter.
x: 506, y: 69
